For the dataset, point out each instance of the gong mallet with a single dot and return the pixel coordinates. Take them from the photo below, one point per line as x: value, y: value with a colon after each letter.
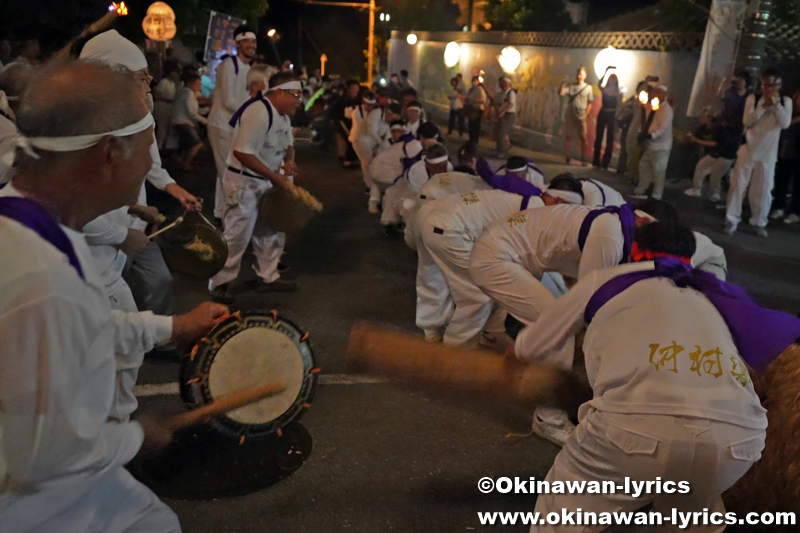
x: 455, y: 369
x: 224, y: 404
x: 166, y: 228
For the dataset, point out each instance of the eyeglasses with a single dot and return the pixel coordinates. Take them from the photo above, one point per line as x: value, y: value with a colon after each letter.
x: 297, y: 96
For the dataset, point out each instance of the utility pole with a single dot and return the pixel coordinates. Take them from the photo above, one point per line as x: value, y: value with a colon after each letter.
x: 750, y: 54
x: 371, y: 39
x: 470, y: 9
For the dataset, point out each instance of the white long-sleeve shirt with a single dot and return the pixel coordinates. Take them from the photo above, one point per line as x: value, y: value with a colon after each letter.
x: 375, y: 129
x: 230, y: 92
x: 357, y: 115
x: 652, y: 349
x: 709, y: 257
x: 470, y: 213
x: 388, y: 164
x: 763, y: 128
x: 598, y: 194
x: 530, y: 175
x: 7, y: 132
x: 57, y: 366
x: 661, y: 128
x: 185, y: 109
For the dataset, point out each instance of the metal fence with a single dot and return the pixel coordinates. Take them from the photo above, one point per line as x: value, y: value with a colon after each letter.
x: 623, y: 40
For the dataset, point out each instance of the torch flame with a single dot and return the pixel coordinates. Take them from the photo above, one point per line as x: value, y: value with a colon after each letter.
x: 120, y: 8
x: 654, y: 104
x: 643, y: 97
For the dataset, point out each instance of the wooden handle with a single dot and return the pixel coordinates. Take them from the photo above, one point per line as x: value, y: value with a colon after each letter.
x: 452, y: 368
x: 224, y: 404
x: 165, y: 228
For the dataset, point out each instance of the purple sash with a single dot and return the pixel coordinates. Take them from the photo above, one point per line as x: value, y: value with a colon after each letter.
x: 625, y: 214
x: 507, y: 182
x: 35, y: 217
x: 235, y: 62
x: 239, y: 112
x: 760, y: 334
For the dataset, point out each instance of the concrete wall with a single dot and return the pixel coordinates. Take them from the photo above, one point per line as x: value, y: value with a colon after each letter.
x: 540, y: 120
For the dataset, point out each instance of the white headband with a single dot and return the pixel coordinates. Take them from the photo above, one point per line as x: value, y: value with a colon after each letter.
x: 287, y: 86
x: 370, y: 102
x: 568, y: 196
x: 520, y: 169
x: 245, y: 35
x: 641, y: 214
x: 78, y: 142
x: 413, y: 107
x: 437, y: 160
x: 398, y: 127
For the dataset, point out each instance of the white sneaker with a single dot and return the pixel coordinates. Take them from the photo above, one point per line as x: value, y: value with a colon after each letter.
x: 715, y: 197
x: 434, y: 335
x: 776, y: 214
x: 373, y: 208
x: 730, y: 228
x: 691, y: 191
x: 791, y: 219
x: 557, y: 433
x: 762, y: 232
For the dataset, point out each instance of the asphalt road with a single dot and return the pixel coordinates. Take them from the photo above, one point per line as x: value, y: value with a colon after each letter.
x: 386, y: 457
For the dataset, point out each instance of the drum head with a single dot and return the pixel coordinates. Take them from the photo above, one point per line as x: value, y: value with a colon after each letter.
x: 249, y: 350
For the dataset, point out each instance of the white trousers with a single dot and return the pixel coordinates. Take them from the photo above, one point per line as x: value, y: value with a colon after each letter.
x: 653, y: 169
x: 242, y: 196
x: 710, y: 455
x: 760, y: 177
x: 713, y: 167
x: 450, y: 251
x: 365, y: 154
x: 520, y: 291
x: 127, y: 364
x: 435, y: 305
x: 393, y: 202
x: 220, y: 141
x: 109, y: 503
x: 376, y: 192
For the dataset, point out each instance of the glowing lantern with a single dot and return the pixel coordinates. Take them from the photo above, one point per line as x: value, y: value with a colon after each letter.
x: 643, y: 97
x: 411, y: 39
x: 608, y: 57
x: 509, y: 59
x: 654, y: 104
x: 159, y: 23
x: 452, y: 53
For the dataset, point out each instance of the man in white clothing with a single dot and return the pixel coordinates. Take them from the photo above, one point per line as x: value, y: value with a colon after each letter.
x: 764, y: 117
x: 230, y: 92
x: 262, y: 156
x: 363, y: 144
x: 507, y: 113
x: 62, y: 458
x: 523, y: 168
x: 673, y: 400
x: 387, y: 167
x: 598, y: 194
x: 450, y: 227
x: 657, y: 139
x: 413, y: 117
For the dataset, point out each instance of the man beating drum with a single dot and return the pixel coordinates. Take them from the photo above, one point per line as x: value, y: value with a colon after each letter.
x: 61, y: 458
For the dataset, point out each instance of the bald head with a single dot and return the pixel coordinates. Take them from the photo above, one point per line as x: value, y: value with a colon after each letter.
x: 79, y: 98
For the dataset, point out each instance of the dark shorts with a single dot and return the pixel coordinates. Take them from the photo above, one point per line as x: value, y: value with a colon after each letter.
x: 187, y: 136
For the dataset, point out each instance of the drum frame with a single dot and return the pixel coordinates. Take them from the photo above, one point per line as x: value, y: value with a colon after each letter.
x: 196, y: 367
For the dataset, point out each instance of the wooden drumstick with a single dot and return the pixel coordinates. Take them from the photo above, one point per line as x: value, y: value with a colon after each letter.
x: 224, y: 404
x: 165, y: 228
x: 451, y: 368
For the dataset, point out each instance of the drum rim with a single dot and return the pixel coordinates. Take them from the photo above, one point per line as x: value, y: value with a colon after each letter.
x: 195, y: 366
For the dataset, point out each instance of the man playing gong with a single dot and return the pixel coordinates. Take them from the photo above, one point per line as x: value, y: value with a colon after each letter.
x: 261, y: 157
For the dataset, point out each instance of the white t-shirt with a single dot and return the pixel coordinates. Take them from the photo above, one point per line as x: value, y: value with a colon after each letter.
x: 472, y: 212
x: 229, y: 94
x: 251, y: 136
x: 377, y: 129
x: 185, y: 110
x: 510, y: 97
x: 597, y: 194
x: 652, y: 349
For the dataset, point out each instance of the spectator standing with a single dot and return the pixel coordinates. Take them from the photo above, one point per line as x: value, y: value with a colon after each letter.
x: 507, y: 116
x: 788, y: 170
x: 473, y: 109
x: 656, y: 137
x: 765, y: 115
x: 579, y: 96
x: 733, y: 98
x: 164, y: 98
x: 395, y: 88
x: 606, y: 120
x: 456, y: 97
x: 626, y: 118
x: 405, y: 83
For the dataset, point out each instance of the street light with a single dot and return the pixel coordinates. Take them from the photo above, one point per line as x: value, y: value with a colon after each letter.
x: 411, y: 39
x: 271, y: 33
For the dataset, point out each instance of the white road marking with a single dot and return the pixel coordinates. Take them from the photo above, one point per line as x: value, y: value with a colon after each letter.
x: 166, y: 389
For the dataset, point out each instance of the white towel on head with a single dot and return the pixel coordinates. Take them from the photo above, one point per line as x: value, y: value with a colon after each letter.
x: 113, y: 49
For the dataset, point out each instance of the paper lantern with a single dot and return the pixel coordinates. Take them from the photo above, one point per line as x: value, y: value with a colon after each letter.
x: 159, y: 23
x: 411, y: 39
x: 509, y: 59
x: 452, y: 53
x: 607, y: 57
